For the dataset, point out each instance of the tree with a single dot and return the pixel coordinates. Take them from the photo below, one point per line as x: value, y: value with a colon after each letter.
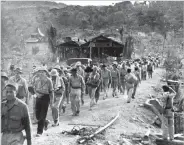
x: 52, y: 33
x: 128, y: 49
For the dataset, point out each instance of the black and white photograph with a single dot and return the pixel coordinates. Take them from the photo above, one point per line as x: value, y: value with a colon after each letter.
x: 94, y: 72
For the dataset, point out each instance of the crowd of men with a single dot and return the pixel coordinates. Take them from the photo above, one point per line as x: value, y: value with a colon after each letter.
x: 59, y: 86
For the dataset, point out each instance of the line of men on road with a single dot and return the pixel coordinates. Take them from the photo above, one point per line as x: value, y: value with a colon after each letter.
x: 56, y: 87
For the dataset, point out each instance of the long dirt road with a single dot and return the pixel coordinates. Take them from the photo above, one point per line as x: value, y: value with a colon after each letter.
x: 134, y: 120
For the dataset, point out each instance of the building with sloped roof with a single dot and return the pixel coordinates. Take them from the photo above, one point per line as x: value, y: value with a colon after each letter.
x: 36, y: 44
x: 101, y: 46
x: 69, y: 49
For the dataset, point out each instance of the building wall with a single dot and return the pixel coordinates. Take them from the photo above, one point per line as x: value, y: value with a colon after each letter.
x: 43, y: 47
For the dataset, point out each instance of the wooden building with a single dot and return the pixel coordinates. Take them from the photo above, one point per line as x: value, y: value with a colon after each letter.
x: 98, y: 47
x: 69, y: 49
x: 101, y: 46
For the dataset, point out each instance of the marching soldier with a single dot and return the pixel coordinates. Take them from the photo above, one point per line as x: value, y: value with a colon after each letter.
x: 59, y: 88
x: 106, y: 79
x: 22, y: 92
x: 44, y: 96
x: 14, y: 118
x: 122, y: 78
x: 77, y: 90
x: 115, y: 79
x: 93, y: 83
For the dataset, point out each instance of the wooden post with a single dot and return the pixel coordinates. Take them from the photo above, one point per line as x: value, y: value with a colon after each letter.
x: 90, y: 51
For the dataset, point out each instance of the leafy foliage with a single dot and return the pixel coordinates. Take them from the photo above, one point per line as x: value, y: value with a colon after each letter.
x: 26, y: 17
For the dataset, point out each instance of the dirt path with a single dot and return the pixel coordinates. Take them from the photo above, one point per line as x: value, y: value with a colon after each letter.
x: 133, y: 119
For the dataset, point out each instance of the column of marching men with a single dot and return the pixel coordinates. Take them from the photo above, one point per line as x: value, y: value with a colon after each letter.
x: 59, y: 86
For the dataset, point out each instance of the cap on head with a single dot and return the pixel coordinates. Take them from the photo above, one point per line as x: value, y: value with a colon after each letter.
x: 12, y: 84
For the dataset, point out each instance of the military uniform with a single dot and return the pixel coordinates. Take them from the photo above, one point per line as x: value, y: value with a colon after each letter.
x: 168, y: 116
x: 77, y: 89
x: 122, y: 80
x: 115, y: 81
x: 93, y: 81
x: 15, y: 118
x: 131, y: 80
x: 106, y: 80
x: 43, y: 88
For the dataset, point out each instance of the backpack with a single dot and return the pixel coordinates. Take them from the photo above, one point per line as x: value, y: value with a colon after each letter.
x: 150, y: 68
x: 132, y: 79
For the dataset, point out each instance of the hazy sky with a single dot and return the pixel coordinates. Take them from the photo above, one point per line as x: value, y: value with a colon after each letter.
x: 85, y: 3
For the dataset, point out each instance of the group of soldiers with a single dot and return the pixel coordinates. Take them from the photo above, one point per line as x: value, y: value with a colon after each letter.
x: 59, y: 86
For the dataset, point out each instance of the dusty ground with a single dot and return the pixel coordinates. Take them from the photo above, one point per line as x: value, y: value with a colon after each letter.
x: 133, y: 118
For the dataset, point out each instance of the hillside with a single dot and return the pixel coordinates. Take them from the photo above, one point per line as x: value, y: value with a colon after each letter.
x: 21, y: 18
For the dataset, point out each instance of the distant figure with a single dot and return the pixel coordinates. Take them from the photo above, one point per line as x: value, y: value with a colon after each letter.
x: 168, y: 113
x: 115, y: 79
x: 150, y: 70
x: 106, y: 79
x: 122, y: 78
x: 93, y: 82
x: 11, y: 71
x: 44, y: 66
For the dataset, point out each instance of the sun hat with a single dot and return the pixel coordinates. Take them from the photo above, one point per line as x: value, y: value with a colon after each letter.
x: 54, y: 72
x: 19, y: 70
x: 3, y: 74
x: 78, y: 63
x: 115, y: 63
x: 43, y: 69
x: 57, y: 67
